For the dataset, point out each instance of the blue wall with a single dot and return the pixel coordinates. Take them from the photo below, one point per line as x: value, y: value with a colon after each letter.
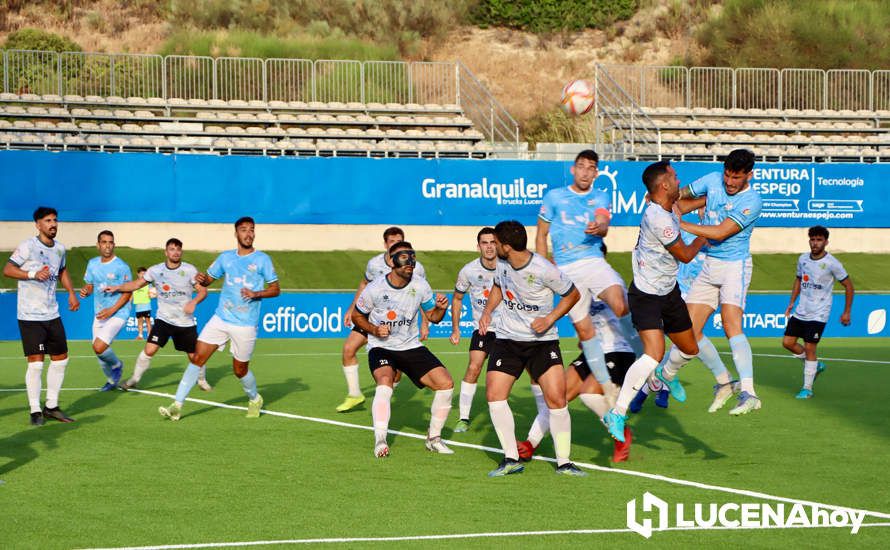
x: 137, y: 187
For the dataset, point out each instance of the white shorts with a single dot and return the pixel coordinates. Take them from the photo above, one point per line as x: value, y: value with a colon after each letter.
x: 217, y: 332
x: 721, y: 282
x: 107, y: 329
x: 591, y: 277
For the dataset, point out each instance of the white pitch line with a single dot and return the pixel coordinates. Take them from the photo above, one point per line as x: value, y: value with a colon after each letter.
x: 657, y: 477
x: 341, y: 540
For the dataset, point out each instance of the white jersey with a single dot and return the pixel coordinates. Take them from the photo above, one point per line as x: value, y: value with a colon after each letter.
x: 528, y: 293
x: 476, y: 280
x: 817, y: 279
x: 608, y: 328
x: 37, y: 299
x: 175, y: 289
x: 377, y: 267
x: 397, y: 308
x: 655, y: 269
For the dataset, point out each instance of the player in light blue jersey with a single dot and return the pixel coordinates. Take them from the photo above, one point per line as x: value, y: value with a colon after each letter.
x: 248, y: 277
x: 732, y: 207
x: 577, y: 218
x: 38, y: 264
x: 112, y: 309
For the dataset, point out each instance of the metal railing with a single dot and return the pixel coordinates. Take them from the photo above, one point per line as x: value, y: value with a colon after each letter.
x: 753, y: 88
x: 623, y: 130
x: 253, y: 79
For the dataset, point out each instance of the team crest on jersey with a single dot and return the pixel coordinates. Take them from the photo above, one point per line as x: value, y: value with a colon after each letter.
x: 386, y: 297
x: 110, y: 276
x: 728, y: 206
x: 530, y: 280
x: 822, y: 266
x: 251, y: 267
x: 412, y: 292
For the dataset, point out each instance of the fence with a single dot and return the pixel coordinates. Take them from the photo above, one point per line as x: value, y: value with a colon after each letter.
x: 252, y: 79
x: 753, y: 88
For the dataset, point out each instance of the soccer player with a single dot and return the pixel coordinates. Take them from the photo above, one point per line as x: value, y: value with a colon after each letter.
x: 387, y: 309
x: 732, y: 207
x: 475, y: 279
x: 526, y: 338
x: 377, y: 267
x: 112, y: 309
x: 178, y: 296
x: 249, y: 278
x: 142, y: 305
x: 39, y: 264
x: 816, y: 274
x: 655, y: 303
x: 577, y: 218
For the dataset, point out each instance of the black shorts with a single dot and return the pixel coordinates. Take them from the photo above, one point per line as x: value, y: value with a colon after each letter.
x: 361, y: 331
x: 512, y: 357
x: 43, y: 337
x: 810, y: 331
x: 146, y: 314
x: 617, y: 361
x: 653, y: 312
x: 482, y: 343
x: 184, y: 338
x: 415, y: 363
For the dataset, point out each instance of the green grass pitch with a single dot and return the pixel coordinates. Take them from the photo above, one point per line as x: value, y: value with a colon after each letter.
x: 123, y: 476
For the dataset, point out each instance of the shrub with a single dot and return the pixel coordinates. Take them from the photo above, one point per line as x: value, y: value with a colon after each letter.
x: 36, y: 39
x: 552, y: 15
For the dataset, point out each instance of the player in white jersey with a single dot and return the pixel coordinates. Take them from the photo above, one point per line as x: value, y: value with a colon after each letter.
x: 112, y: 309
x: 577, y: 218
x: 526, y: 339
x: 39, y: 264
x: 377, y: 267
x: 387, y: 310
x: 817, y: 272
x: 475, y: 279
x: 178, y: 295
x: 655, y: 302
x: 248, y: 277
x: 733, y: 207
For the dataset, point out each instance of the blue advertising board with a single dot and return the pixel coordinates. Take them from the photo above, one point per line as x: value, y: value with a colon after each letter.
x: 92, y: 186
x: 320, y: 315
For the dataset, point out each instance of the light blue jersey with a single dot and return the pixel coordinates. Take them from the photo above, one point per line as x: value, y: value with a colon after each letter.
x: 743, y: 208
x: 688, y: 272
x: 104, y: 274
x: 568, y: 214
x: 252, y: 271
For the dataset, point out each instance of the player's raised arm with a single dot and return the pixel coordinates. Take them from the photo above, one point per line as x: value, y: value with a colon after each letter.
x: 686, y: 252
x: 131, y: 286
x: 272, y: 290
x: 204, y: 279
x: 200, y: 294
x: 435, y: 308
x: 688, y: 201
x: 725, y: 230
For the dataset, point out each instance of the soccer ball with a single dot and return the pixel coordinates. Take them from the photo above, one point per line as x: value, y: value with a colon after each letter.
x: 577, y: 97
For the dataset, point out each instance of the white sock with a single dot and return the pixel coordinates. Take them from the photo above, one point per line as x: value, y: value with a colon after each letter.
x: 502, y: 418
x: 380, y: 411
x: 676, y: 360
x: 467, y: 392
x: 541, y: 425
x: 202, y: 374
x: 561, y: 431
x: 351, y: 374
x: 809, y: 373
x: 439, y: 411
x: 748, y: 386
x: 55, y: 375
x: 34, y: 384
x: 802, y: 355
x: 142, y: 364
x: 595, y: 402
x: 633, y: 381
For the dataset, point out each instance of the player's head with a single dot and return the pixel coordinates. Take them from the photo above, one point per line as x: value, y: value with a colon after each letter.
x: 661, y: 181
x: 738, y: 167
x: 818, y: 239
x: 510, y: 235
x: 47, y: 220
x: 392, y: 235
x: 585, y: 169
x: 604, y: 248
x: 485, y: 243
x: 173, y: 250
x: 403, y: 259
x: 105, y: 243
x: 245, y: 231
x: 141, y: 270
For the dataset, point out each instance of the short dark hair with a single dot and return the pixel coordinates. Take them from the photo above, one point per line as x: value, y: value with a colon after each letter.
x: 739, y: 160
x: 604, y: 248
x: 818, y: 231
x: 174, y: 240
x: 484, y: 231
x: 390, y: 231
x: 513, y: 233
x: 244, y: 219
x: 105, y: 232
x: 141, y: 268
x: 44, y: 211
x: 653, y: 172
x: 398, y: 246
x: 588, y: 154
